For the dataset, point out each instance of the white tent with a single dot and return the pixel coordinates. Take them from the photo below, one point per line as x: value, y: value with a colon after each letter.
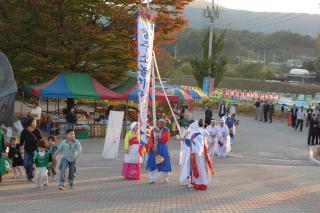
x: 8, y: 90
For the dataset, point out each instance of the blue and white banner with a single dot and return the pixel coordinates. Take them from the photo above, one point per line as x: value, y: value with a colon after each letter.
x: 145, y: 25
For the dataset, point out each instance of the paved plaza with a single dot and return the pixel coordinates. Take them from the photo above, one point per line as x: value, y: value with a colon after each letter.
x: 268, y: 171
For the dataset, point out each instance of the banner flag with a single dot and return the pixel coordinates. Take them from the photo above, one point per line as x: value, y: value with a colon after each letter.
x: 145, y: 24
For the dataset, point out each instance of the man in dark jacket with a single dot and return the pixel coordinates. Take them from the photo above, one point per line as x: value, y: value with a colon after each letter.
x: 222, y: 109
x: 208, y: 116
x: 265, y: 111
x: 294, y: 111
x: 271, y: 111
x: 313, y: 128
x: 71, y: 118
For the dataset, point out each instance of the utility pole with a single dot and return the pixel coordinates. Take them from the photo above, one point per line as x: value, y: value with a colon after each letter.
x: 211, y: 14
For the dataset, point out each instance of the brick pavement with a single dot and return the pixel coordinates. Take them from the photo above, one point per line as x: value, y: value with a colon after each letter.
x: 243, y: 184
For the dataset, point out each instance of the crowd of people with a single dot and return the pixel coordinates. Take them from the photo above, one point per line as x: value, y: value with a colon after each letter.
x: 35, y: 158
x: 264, y: 110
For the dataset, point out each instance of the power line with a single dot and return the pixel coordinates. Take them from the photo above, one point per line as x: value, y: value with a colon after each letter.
x: 279, y: 21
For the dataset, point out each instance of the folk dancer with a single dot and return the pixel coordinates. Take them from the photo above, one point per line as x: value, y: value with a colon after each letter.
x: 132, y: 156
x: 224, y: 140
x: 185, y: 144
x: 201, y: 164
x: 212, y: 137
x: 159, y: 157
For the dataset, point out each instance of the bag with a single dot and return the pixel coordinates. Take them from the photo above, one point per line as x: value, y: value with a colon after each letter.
x: 159, y: 159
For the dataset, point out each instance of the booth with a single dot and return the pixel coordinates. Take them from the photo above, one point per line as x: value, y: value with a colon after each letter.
x: 75, y: 86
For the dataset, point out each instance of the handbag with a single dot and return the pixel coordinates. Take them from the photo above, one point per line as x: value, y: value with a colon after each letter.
x: 159, y: 159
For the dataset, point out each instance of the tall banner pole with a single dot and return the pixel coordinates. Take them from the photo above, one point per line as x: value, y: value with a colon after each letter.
x: 144, y: 37
x: 154, y: 112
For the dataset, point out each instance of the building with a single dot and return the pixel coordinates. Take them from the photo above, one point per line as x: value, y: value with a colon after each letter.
x: 301, y: 75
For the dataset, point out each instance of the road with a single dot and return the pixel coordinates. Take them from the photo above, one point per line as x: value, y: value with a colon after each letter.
x: 267, y: 171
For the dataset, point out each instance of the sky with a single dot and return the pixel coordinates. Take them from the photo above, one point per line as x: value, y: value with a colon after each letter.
x: 296, y: 6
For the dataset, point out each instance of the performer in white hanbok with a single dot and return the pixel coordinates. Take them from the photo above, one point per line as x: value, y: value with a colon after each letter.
x: 184, y: 177
x: 212, y: 137
x: 201, y: 164
x: 223, y: 140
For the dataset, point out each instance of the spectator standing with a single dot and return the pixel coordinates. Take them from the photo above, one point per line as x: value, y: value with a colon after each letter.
x: 309, y: 115
x: 222, y: 109
x: 261, y: 108
x: 29, y: 139
x: 282, y: 112
x: 15, y: 157
x: 271, y: 111
x: 265, y: 111
x: 256, y: 110
x: 300, y: 118
x: 71, y: 118
x: 36, y: 112
x: 313, y: 128
x: 208, y: 116
x: 294, y: 111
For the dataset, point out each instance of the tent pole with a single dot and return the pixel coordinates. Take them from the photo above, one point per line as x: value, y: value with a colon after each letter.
x: 47, y: 106
x: 58, y: 106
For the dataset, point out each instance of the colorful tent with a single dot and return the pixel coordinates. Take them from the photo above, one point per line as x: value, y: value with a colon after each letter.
x: 129, y: 90
x: 183, y: 96
x: 195, y: 93
x: 74, y: 85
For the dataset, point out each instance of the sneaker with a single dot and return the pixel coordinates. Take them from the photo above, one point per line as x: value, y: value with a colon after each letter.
x: 72, y: 187
x: 62, y: 188
x: 166, y: 180
x: 151, y: 181
x: 30, y: 180
x: 45, y: 185
x: 14, y: 177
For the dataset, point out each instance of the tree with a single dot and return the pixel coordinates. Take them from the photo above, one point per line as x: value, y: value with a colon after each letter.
x: 218, y: 60
x: 317, y: 51
x: 165, y: 62
x: 254, y: 71
x: 42, y: 38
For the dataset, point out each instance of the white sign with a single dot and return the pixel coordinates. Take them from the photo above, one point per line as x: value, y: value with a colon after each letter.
x: 112, y: 139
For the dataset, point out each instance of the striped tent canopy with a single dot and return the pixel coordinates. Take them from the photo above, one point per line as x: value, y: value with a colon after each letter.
x: 183, y: 95
x: 129, y: 90
x: 73, y: 85
x: 195, y: 93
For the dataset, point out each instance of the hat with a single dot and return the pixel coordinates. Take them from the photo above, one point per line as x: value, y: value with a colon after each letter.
x: 222, y: 120
x: 133, y: 125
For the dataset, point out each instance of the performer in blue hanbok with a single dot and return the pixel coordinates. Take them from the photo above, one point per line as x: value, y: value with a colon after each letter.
x: 159, y: 158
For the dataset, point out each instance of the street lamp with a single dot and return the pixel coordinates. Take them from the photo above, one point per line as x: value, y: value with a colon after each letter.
x: 211, y: 14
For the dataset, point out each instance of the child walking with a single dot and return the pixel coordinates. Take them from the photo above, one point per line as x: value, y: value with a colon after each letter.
x: 70, y: 149
x: 15, y: 156
x: 53, y: 149
x: 42, y: 157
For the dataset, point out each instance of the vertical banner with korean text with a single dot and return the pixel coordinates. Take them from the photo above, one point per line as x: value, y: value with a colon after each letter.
x: 145, y: 24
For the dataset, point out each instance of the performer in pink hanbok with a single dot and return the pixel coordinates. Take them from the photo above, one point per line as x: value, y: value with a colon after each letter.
x: 201, y: 164
x: 132, y: 156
